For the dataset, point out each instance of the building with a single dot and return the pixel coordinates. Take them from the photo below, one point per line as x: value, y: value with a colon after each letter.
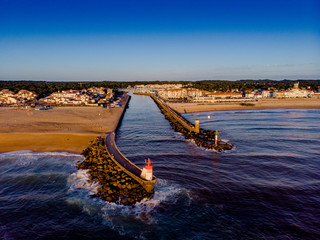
x: 293, y: 93
x: 266, y: 94
x: 316, y: 95
x: 278, y: 94
x: 250, y: 94
x: 202, y: 99
x: 23, y: 96
x: 152, y: 88
x: 180, y: 93
x: 225, y: 95
x: 84, y: 97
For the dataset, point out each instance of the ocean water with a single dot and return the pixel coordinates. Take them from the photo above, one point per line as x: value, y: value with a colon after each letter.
x: 267, y: 187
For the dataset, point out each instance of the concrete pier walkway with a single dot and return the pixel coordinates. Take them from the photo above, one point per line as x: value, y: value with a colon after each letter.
x: 175, y: 114
x: 127, y: 166
x: 117, y: 155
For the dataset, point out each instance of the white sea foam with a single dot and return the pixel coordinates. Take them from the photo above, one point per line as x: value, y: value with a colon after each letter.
x: 125, y: 219
x: 26, y: 158
x: 212, y: 150
x: 31, y: 153
x: 80, y: 180
x: 179, y: 133
x: 163, y: 192
x: 120, y: 218
x: 80, y: 191
x: 203, y: 148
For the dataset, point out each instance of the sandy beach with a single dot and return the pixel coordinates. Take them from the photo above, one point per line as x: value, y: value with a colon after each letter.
x: 260, y: 104
x: 59, y: 129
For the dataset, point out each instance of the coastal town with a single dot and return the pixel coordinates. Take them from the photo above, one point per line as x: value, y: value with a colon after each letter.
x: 86, y: 97
x: 106, y: 97
x: 91, y: 96
x: 176, y: 92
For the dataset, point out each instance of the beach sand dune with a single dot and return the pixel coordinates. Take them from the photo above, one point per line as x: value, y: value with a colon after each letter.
x: 58, y: 129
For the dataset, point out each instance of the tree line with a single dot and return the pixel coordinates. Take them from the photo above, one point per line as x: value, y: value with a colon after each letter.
x: 44, y: 88
x: 244, y: 85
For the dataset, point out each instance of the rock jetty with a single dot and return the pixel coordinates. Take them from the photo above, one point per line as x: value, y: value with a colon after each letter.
x: 203, y: 138
x: 115, y: 185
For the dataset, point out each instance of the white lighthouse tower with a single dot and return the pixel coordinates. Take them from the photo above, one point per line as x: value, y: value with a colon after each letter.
x: 147, y: 171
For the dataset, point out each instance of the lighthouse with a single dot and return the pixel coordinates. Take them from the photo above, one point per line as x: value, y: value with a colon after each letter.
x: 147, y: 171
x: 196, y: 126
x: 216, y: 134
x: 148, y: 167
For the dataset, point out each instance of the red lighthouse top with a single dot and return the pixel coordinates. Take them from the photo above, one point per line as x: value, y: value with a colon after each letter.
x: 148, y: 164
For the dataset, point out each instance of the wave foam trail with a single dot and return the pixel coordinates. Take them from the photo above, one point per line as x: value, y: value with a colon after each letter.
x: 80, y: 191
x: 123, y: 219
x: 29, y: 158
x: 80, y: 180
x: 163, y: 193
x: 31, y: 153
x: 133, y: 221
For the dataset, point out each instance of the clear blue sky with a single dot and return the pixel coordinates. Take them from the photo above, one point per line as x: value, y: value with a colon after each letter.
x: 159, y: 39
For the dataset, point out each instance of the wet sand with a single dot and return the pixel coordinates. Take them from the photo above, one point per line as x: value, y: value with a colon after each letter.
x: 260, y: 104
x: 59, y: 129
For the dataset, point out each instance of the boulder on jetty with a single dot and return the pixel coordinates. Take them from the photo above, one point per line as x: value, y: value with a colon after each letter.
x: 116, y: 185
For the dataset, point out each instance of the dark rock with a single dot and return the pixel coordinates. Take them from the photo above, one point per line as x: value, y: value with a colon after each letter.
x: 116, y: 185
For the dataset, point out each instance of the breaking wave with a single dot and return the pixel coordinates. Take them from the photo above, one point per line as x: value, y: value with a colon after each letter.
x: 120, y: 218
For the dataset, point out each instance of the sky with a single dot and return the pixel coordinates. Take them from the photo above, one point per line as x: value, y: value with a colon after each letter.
x: 133, y: 40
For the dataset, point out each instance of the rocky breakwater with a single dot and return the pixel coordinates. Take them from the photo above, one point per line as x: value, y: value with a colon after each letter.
x: 202, y: 137
x: 116, y: 185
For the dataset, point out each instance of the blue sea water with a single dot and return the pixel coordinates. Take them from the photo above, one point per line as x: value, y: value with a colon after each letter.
x: 267, y: 187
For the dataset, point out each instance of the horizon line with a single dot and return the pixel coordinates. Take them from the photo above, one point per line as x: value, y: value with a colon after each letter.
x: 195, y: 80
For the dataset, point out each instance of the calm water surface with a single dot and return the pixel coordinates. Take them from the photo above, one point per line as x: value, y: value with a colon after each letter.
x: 268, y: 187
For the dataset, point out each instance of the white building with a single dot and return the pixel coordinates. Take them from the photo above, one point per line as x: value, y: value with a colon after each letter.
x: 293, y: 93
x: 8, y: 97
x: 225, y: 95
x: 75, y: 97
x: 151, y: 88
x: 202, y: 99
x: 180, y: 93
x: 266, y: 94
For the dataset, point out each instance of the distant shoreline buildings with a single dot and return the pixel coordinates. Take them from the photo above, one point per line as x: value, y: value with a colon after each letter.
x: 177, y: 92
x: 86, y: 97
x: 80, y: 97
x: 8, y: 97
x: 95, y: 96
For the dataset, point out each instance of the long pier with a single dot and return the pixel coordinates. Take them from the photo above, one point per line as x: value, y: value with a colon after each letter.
x: 204, y: 138
x: 185, y: 123
x: 120, y: 160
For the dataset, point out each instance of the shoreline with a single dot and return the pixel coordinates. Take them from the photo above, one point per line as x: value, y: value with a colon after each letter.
x: 65, y: 129
x: 45, y: 142
x: 304, y: 103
